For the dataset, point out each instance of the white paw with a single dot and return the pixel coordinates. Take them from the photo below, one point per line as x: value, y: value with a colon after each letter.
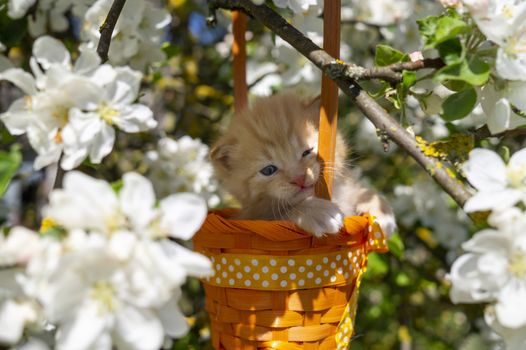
x: 387, y: 222
x: 318, y: 216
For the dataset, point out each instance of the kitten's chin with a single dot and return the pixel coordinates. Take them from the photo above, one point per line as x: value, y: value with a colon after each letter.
x: 303, y: 193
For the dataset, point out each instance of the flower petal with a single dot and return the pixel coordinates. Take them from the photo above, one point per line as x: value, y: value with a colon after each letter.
x: 485, y: 170
x: 83, y: 329
x: 22, y: 79
x: 135, y: 118
x: 182, y: 214
x: 491, y: 200
x: 172, y: 318
x: 48, y: 51
x: 138, y: 329
x: 137, y: 200
x: 102, y: 143
x: 511, y: 304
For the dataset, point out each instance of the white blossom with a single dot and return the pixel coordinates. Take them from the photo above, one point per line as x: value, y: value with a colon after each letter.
x: 114, y: 277
x: 494, y: 270
x: 71, y: 109
x: 503, y: 22
x: 426, y: 204
x: 136, y: 39
x: 47, y: 13
x: 182, y: 165
x: 499, y: 186
x: 500, y: 105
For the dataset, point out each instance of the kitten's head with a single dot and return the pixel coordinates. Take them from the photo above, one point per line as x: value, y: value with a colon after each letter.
x: 270, y: 151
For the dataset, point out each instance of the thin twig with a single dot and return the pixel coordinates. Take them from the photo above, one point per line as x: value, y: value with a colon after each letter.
x: 483, y: 133
x: 371, y: 109
x: 106, y: 30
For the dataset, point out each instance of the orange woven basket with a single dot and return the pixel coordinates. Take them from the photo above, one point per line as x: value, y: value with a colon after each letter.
x: 277, y: 287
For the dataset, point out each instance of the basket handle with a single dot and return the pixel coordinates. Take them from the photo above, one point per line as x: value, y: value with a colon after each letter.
x: 329, y: 89
x: 239, y: 53
x: 329, y: 100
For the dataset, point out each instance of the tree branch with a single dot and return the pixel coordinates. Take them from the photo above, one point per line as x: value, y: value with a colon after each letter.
x: 483, y: 133
x: 106, y: 30
x: 391, y: 73
x: 371, y: 109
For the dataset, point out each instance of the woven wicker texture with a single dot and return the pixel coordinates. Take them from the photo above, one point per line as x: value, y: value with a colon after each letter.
x: 309, y: 300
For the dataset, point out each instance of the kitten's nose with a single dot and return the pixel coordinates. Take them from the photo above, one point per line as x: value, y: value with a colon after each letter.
x: 299, y: 181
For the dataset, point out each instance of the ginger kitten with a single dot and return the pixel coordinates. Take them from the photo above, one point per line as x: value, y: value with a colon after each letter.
x: 267, y: 159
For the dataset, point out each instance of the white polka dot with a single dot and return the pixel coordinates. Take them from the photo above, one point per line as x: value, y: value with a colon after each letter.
x: 237, y: 261
x: 339, y: 270
x: 218, y: 267
x: 345, y: 330
x: 231, y: 281
x: 310, y: 274
x: 274, y: 276
x: 264, y: 283
x: 308, y: 262
x: 230, y: 268
x: 301, y: 269
x: 318, y: 267
x: 338, y: 257
x: 354, y: 259
x: 333, y: 265
x: 223, y: 260
x: 301, y: 283
x: 273, y: 262
x: 371, y: 242
x: 291, y: 262
x: 255, y: 276
x: 224, y: 274
x: 333, y: 279
x: 292, y: 276
x: 255, y: 262
x: 283, y: 269
x: 378, y: 235
x: 349, y: 254
x: 325, y: 260
x: 283, y: 284
x: 326, y: 273
x: 247, y: 269
x: 264, y: 269
x: 346, y: 275
x: 346, y: 339
x: 239, y: 275
x: 345, y: 262
x: 248, y: 283
x: 317, y: 280
x: 218, y: 280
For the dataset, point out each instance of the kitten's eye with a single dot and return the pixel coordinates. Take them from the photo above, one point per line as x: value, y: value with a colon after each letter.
x: 269, y: 170
x: 307, y: 152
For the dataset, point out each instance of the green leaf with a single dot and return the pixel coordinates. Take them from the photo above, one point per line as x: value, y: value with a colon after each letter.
x: 450, y: 51
x: 459, y: 105
x: 386, y: 55
x: 427, y: 27
x: 435, y: 30
x: 408, y: 79
x: 396, y: 246
x: 448, y: 28
x: 473, y: 71
x: 376, y: 265
x: 9, y: 164
x: 13, y: 31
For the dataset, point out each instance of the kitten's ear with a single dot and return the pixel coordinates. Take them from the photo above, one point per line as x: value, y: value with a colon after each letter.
x: 221, y: 153
x: 312, y: 106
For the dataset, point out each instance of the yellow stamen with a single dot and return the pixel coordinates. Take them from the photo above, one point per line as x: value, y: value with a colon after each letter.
x: 103, y: 292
